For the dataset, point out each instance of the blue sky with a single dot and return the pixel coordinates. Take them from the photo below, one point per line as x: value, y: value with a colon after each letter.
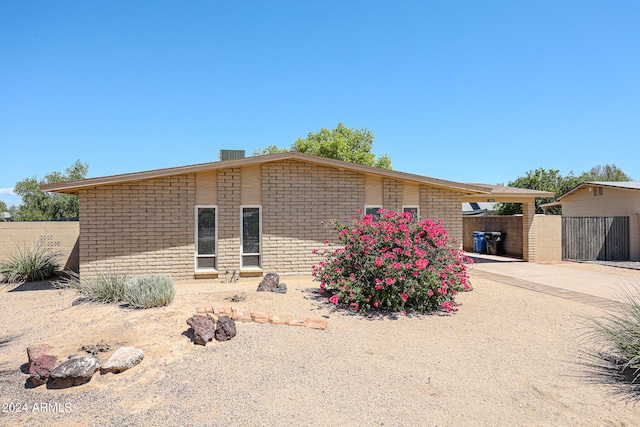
x: 469, y: 91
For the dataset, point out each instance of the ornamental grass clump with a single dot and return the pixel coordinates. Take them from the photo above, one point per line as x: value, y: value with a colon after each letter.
x: 149, y: 290
x: 28, y: 265
x: 618, y: 334
x: 393, y: 263
x: 105, y: 287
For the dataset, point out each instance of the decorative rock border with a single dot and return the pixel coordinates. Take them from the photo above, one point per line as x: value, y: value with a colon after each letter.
x: 247, y: 316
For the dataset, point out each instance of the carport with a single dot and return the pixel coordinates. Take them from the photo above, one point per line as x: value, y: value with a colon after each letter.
x: 525, y: 235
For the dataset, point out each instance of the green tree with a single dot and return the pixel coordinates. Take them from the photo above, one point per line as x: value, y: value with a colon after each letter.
x: 341, y: 143
x: 3, y: 206
x: 544, y: 180
x: 40, y: 206
x: 605, y: 173
x: 551, y: 180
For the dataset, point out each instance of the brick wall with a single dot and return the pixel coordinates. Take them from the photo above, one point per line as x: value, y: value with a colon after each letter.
x: 139, y: 227
x: 229, y: 219
x: 548, y: 237
x: 296, y: 197
x: 437, y: 203
x: 392, y: 194
x: 60, y: 236
x: 512, y: 225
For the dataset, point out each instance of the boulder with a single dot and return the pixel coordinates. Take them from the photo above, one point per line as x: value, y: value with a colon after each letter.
x: 122, y: 359
x: 225, y: 328
x: 74, y: 372
x: 40, y: 369
x: 269, y: 281
x: 36, y: 351
x: 203, y: 329
x: 281, y: 288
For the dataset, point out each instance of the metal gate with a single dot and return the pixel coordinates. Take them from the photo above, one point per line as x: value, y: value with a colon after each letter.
x: 604, y: 238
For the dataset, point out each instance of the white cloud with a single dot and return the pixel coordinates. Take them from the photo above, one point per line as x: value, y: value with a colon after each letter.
x: 7, y: 191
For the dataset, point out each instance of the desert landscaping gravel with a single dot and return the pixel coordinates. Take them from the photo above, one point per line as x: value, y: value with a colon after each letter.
x: 509, y: 357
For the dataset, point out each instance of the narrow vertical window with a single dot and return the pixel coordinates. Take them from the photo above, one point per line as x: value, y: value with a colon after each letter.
x: 373, y: 211
x: 251, y: 237
x: 206, y: 238
x: 413, y: 210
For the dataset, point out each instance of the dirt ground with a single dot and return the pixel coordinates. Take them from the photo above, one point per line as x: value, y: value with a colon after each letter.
x: 509, y: 357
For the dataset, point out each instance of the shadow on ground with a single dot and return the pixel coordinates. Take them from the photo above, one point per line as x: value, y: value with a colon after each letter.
x: 602, y: 369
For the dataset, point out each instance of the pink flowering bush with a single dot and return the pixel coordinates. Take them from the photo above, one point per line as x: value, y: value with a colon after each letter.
x: 394, y: 263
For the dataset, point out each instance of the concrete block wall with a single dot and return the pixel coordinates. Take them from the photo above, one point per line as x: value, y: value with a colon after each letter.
x: 229, y: 219
x: 392, y: 194
x: 512, y: 225
x: 548, y: 237
x: 296, y: 198
x: 437, y: 203
x: 139, y: 227
x: 60, y: 236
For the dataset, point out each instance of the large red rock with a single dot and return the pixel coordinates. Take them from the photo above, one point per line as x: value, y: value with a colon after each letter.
x: 40, y: 369
x: 203, y: 329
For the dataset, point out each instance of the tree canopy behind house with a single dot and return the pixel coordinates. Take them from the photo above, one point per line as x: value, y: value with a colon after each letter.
x: 341, y: 143
x: 552, y: 180
x: 40, y: 206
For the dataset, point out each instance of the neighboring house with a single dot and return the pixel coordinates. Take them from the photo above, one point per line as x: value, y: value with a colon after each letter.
x: 600, y: 220
x: 253, y: 215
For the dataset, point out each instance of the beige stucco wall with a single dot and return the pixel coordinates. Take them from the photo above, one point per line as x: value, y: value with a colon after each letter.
x: 548, y: 229
x: 613, y: 202
x: 60, y: 236
x: 410, y: 194
x: 372, y: 191
x: 207, y: 188
x: 148, y: 226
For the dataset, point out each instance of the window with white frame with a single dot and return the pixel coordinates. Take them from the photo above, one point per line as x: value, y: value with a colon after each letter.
x: 251, y: 239
x: 206, y: 238
x: 373, y: 211
x: 413, y: 210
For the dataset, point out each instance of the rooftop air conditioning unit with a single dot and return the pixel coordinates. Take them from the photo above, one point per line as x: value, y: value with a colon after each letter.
x: 231, y: 154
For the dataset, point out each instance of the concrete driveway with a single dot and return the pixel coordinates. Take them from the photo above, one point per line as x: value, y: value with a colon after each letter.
x: 603, y: 288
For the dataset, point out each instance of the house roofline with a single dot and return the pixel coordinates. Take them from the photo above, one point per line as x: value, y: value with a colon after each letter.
x: 73, y: 187
x: 610, y: 184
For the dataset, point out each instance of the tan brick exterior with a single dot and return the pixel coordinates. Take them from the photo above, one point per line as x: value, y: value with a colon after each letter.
x: 438, y: 203
x: 528, y: 231
x: 296, y: 198
x: 60, y: 236
x: 511, y: 225
x: 548, y: 229
x: 139, y: 227
x: 148, y: 226
x: 229, y: 219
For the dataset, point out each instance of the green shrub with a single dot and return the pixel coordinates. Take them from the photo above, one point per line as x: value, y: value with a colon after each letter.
x: 618, y: 334
x: 28, y: 265
x: 393, y: 263
x: 149, y: 290
x: 106, y: 287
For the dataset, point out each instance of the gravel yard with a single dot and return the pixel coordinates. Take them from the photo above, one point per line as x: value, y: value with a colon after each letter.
x: 508, y: 357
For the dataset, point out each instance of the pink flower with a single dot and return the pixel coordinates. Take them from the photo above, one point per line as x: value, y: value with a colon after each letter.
x: 378, y: 262
x: 430, y: 292
x: 389, y: 281
x: 404, y: 297
x: 376, y: 304
x: 334, y: 300
x: 379, y: 287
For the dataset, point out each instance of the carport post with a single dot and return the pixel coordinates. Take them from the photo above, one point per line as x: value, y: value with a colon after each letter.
x: 528, y: 231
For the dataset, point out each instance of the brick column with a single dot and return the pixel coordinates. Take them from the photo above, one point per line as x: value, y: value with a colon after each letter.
x: 392, y: 195
x: 528, y: 231
x: 229, y: 219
